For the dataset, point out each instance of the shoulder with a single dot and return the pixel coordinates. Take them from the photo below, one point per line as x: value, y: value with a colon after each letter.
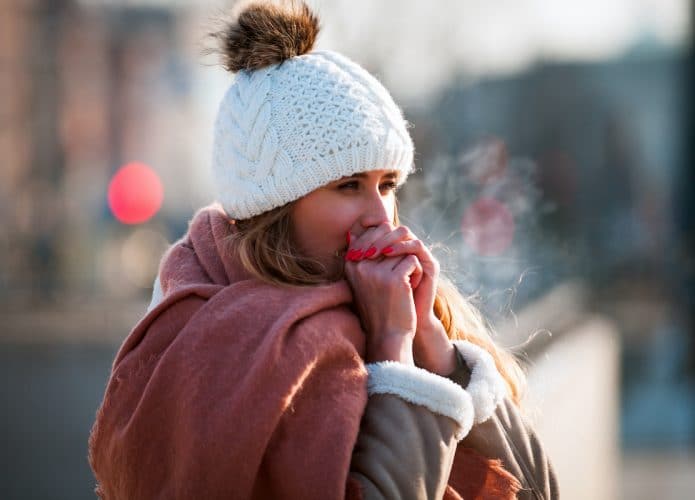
x: 320, y: 314
x: 334, y: 318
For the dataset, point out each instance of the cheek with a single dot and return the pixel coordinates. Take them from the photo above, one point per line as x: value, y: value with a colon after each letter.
x: 320, y: 230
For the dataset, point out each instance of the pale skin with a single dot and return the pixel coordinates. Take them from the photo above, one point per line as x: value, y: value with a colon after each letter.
x: 393, y: 279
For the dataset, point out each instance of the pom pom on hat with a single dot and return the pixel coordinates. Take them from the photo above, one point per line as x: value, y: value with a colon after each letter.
x: 263, y: 33
x: 295, y: 119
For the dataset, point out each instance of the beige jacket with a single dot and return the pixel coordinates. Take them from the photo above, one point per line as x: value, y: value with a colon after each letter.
x: 406, y: 451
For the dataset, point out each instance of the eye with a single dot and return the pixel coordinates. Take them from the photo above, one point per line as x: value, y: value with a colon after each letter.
x: 389, y: 186
x: 349, y: 185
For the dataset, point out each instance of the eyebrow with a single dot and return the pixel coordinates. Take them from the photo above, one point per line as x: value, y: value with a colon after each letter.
x: 362, y: 175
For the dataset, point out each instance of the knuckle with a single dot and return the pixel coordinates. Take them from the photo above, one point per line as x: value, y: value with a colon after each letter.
x: 384, y: 227
x: 412, y: 260
x: 365, y: 234
x: 402, y: 231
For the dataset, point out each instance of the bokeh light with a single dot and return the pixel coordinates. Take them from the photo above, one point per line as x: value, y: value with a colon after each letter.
x: 135, y: 193
x: 488, y: 227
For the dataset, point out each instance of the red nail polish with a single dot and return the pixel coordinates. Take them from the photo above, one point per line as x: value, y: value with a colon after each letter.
x: 387, y: 250
x: 347, y: 237
x: 358, y: 255
x: 352, y: 255
x: 370, y: 252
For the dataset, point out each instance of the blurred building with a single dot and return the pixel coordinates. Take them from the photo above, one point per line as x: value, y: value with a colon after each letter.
x: 87, y: 89
x: 587, y: 158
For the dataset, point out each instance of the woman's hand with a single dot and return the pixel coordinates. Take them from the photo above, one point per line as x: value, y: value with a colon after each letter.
x: 432, y: 348
x: 384, y: 300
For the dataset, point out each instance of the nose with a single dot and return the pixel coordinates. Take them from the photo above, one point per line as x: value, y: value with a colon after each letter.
x: 377, y: 209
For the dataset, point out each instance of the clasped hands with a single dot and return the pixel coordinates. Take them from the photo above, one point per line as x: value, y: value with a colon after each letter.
x: 393, y: 277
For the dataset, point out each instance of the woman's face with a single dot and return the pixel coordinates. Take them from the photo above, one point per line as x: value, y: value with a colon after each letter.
x: 321, y: 219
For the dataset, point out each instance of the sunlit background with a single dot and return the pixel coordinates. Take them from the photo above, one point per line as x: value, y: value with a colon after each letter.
x: 554, y: 146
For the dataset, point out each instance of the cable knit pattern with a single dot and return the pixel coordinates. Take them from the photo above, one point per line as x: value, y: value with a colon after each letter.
x: 438, y: 394
x: 285, y: 130
x: 486, y: 387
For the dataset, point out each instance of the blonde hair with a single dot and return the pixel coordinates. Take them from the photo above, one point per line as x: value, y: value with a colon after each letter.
x: 266, y: 250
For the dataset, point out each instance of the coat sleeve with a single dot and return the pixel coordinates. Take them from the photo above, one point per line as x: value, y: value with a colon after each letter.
x: 508, y: 436
x: 409, y: 431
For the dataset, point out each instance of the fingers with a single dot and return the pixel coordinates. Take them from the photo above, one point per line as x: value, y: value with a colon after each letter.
x: 363, y: 246
x: 405, y: 269
x: 417, y: 248
x: 409, y: 268
x: 377, y: 242
x: 385, y: 241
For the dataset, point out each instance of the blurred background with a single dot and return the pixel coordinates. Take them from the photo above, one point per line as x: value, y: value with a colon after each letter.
x: 554, y: 148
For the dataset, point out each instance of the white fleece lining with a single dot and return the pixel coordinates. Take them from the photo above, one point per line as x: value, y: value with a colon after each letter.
x: 415, y: 385
x: 486, y: 387
x: 157, y: 294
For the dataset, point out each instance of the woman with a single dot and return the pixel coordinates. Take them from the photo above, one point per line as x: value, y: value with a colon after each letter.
x: 301, y: 343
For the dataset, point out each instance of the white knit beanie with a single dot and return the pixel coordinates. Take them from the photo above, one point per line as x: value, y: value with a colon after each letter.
x: 293, y: 119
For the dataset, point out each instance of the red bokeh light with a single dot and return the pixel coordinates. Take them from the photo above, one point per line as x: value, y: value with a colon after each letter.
x: 135, y: 193
x: 488, y: 227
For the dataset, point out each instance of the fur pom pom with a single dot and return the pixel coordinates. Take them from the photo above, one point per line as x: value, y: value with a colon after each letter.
x: 265, y: 32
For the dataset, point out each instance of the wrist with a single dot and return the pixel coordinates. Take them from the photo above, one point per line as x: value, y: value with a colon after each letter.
x: 434, y: 351
x: 442, y: 363
x: 391, y: 347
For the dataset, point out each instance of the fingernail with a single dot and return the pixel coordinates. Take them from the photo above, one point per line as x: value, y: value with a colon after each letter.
x: 387, y: 250
x: 352, y: 255
x: 370, y: 252
x: 347, y: 237
x: 358, y: 255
